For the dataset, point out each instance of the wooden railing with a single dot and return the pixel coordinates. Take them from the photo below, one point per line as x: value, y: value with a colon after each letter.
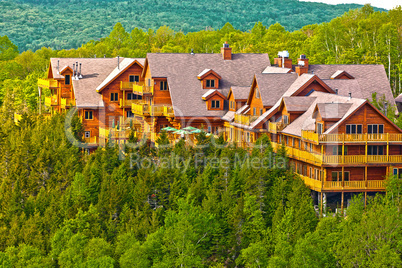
x: 66, y: 102
x: 129, y: 103
x: 244, y: 119
x: 145, y: 109
x: 47, y: 83
x: 114, y: 133
x: 91, y: 140
x: 274, y: 127
x: 141, y: 89
x: 129, y: 85
x: 339, y: 138
x: 49, y: 101
x: 318, y: 185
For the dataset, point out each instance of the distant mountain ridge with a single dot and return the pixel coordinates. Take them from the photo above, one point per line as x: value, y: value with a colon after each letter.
x: 32, y: 24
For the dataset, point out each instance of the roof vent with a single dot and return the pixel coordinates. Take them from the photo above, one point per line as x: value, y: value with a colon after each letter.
x: 80, y: 74
x: 192, y: 52
x: 73, y: 78
x: 385, y: 108
x: 76, y: 70
x: 118, y: 62
x: 303, y: 57
x: 336, y: 91
x: 226, y: 44
x: 58, y: 66
x: 350, y: 95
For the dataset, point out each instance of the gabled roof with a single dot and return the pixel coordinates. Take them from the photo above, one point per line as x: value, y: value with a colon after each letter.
x: 212, y: 92
x: 65, y: 68
x: 123, y: 66
x: 332, y: 111
x: 370, y: 78
x: 307, y: 121
x: 297, y: 104
x: 276, y: 70
x: 273, y: 86
x: 181, y: 71
x: 340, y: 73
x: 229, y: 116
x: 206, y: 72
x: 239, y: 93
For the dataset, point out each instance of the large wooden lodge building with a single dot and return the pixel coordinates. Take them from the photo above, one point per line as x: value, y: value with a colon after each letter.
x: 335, y: 138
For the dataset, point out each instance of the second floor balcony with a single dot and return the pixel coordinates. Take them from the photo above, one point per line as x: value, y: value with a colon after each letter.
x: 144, y: 109
x: 275, y: 127
x: 65, y: 103
x: 47, y: 83
x: 350, y: 138
x: 244, y: 119
x: 51, y: 101
x: 142, y: 89
x: 128, y: 103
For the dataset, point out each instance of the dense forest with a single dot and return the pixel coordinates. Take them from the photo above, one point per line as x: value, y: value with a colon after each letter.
x: 203, y: 206
x: 32, y: 24
x: 184, y: 206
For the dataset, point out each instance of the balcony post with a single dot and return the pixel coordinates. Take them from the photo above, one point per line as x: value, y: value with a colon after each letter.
x: 342, y: 203
x: 387, y: 147
x: 343, y: 177
x: 366, y: 149
x: 124, y: 100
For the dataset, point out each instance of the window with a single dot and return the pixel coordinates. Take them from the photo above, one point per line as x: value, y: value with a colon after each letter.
x: 354, y: 129
x: 163, y: 85
x: 88, y: 115
x: 398, y: 172
x: 248, y: 136
x: 311, y: 172
x: 134, y: 78
x: 114, y: 96
x: 285, y: 119
x: 215, y: 104
x: 210, y: 83
x: 337, y: 150
x: 261, y: 111
x: 346, y: 176
x: 375, y: 150
x: 209, y: 129
x: 87, y: 134
x: 254, y: 111
x: 319, y: 128
x: 67, y: 79
x: 257, y: 93
x: 311, y: 147
x: 130, y: 114
x: 293, y: 142
x: 375, y: 129
x: 337, y: 176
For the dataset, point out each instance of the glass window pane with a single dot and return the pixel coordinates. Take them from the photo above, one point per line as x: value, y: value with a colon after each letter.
x: 375, y: 129
x: 334, y: 176
x: 381, y: 129
x: 369, y: 129
x: 347, y: 129
x: 359, y: 129
x: 353, y: 129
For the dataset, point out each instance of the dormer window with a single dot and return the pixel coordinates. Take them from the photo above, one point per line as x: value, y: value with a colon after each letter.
x: 209, y: 79
x: 319, y: 128
x: 215, y: 104
x: 67, y: 79
x: 257, y: 93
x: 210, y: 83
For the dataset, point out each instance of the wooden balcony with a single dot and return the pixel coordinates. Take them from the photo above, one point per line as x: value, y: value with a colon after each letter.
x: 350, y: 138
x: 65, y: 103
x: 51, y: 101
x: 144, y: 109
x: 47, y: 83
x: 142, y: 89
x: 114, y: 133
x: 320, y: 159
x: 275, y: 127
x: 244, y: 119
x: 92, y: 141
x: 317, y: 185
x: 129, y: 85
x: 128, y: 103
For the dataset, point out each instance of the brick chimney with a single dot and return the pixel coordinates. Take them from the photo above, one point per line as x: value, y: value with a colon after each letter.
x: 226, y: 51
x: 283, y: 60
x: 302, y: 65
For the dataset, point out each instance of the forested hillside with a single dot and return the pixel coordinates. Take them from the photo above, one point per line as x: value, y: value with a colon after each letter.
x: 32, y: 24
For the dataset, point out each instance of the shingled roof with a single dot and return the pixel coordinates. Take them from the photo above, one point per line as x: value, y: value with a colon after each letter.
x: 297, y: 104
x: 333, y: 111
x: 370, y: 78
x: 181, y: 71
x: 240, y: 93
x: 273, y: 86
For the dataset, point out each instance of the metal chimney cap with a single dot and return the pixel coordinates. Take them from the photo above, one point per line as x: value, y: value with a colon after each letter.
x: 226, y: 45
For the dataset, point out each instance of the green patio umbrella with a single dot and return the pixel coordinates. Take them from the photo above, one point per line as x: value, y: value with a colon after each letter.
x: 169, y: 129
x: 189, y: 128
x: 181, y: 131
x: 196, y: 131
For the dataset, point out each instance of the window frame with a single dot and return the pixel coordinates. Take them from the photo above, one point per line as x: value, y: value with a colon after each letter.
x: 136, y: 78
x: 378, y: 128
x: 87, y: 136
x: 114, y: 96
x: 163, y: 86
x: 215, y: 104
x: 320, y: 127
x: 67, y: 81
x: 209, y: 83
x: 357, y: 127
x: 88, y: 115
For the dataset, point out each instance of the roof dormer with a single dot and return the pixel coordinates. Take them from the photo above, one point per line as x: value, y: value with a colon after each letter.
x: 340, y: 74
x: 209, y: 79
x: 214, y: 99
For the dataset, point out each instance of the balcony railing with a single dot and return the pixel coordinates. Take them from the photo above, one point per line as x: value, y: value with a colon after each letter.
x: 345, y: 185
x: 66, y: 102
x: 92, y: 140
x: 51, y: 101
x: 128, y: 103
x: 129, y: 85
x: 151, y: 110
x: 141, y: 89
x: 114, y: 133
x: 274, y: 127
x: 47, y: 83
x: 244, y: 119
x: 319, y: 159
x: 340, y: 138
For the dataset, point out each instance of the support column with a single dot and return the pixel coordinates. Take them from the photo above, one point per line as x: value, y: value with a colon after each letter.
x: 387, y: 147
x: 40, y: 99
x: 343, y: 176
x: 321, y: 206
x: 342, y: 203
